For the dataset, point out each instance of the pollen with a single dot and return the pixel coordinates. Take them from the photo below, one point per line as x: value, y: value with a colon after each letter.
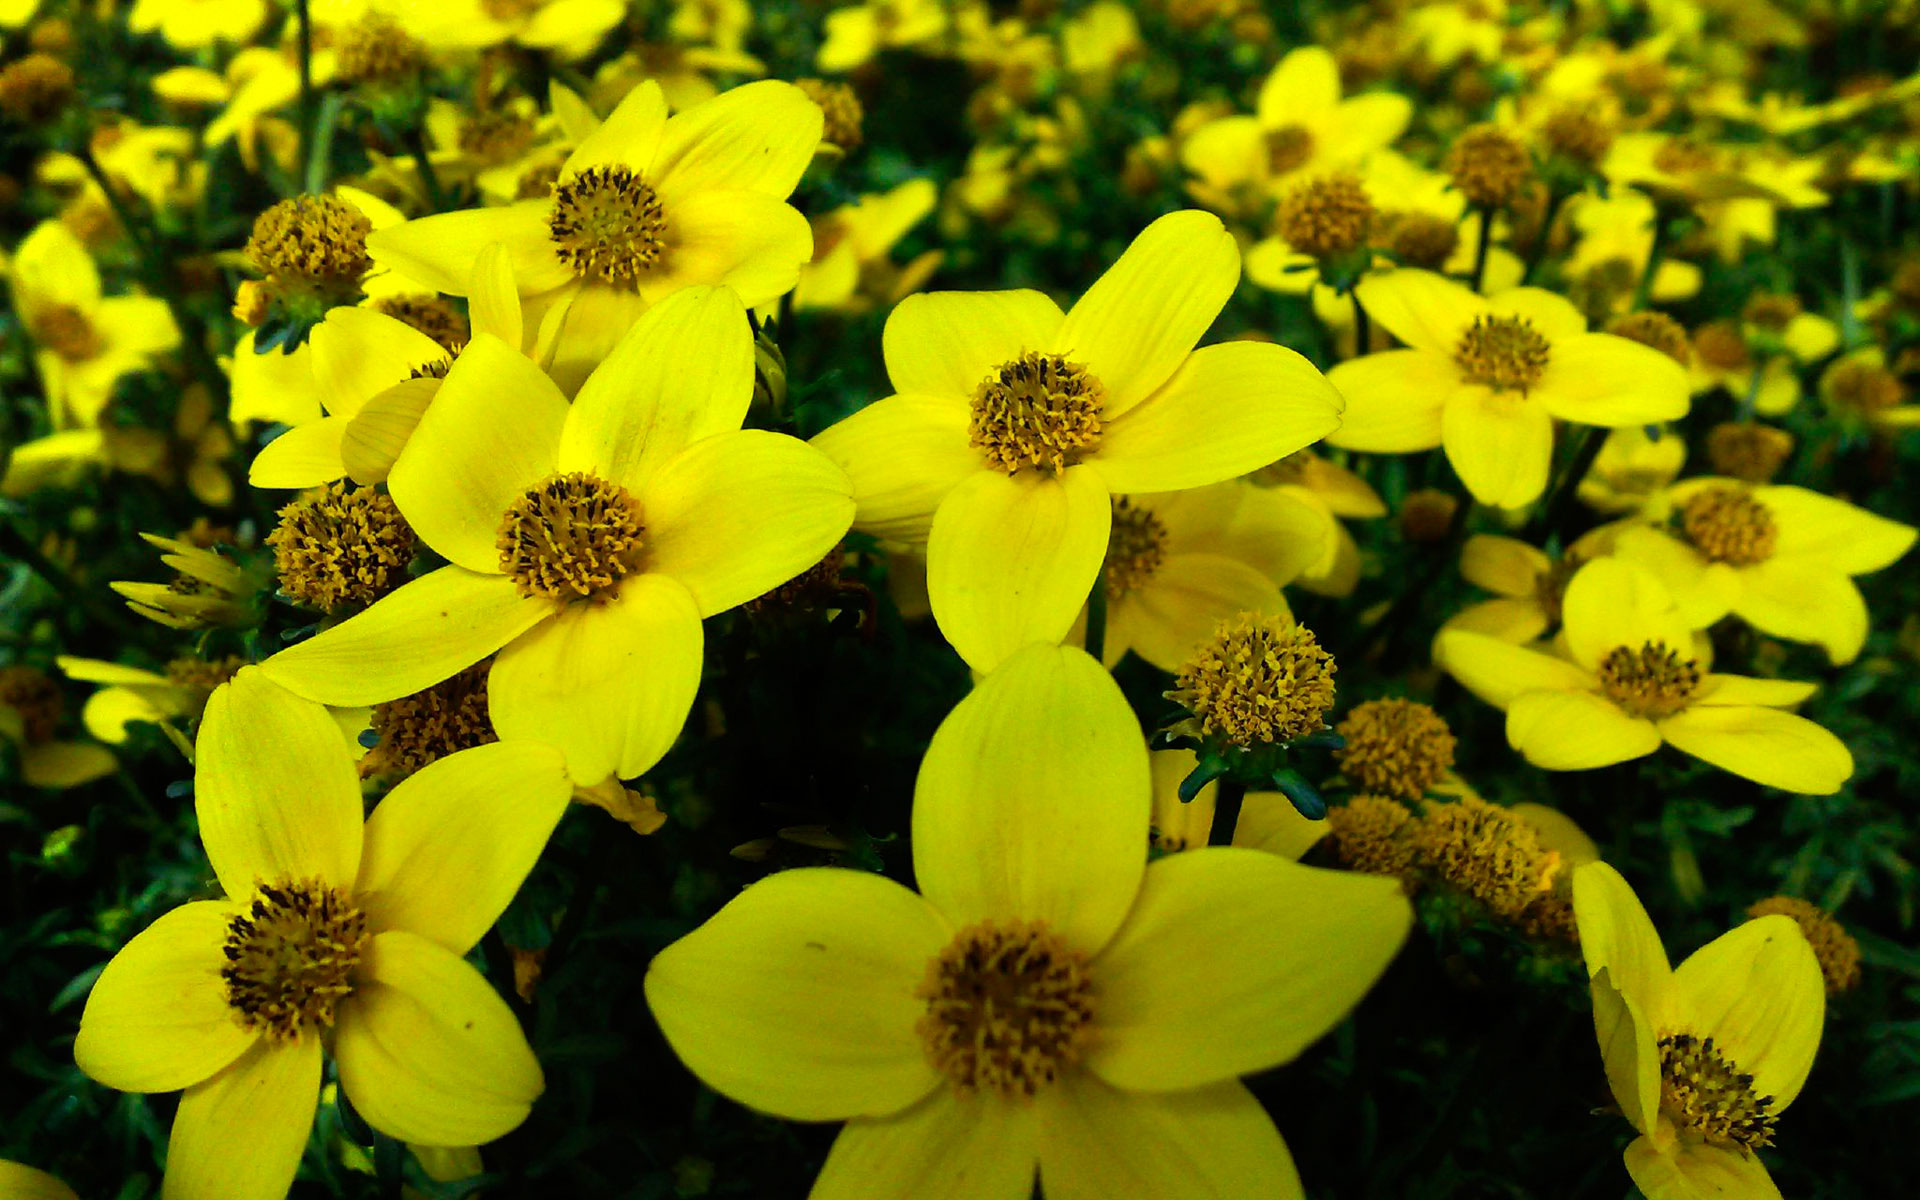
x: 346, y: 546
x: 1703, y: 1093
x: 290, y: 958
x: 1487, y: 853
x: 1008, y: 1008
x: 1860, y: 388
x: 1394, y: 747
x: 1652, y: 681
x: 841, y: 107
x: 200, y: 676
x: 571, y: 537
x: 429, y: 725
x: 1261, y: 680
x: 1683, y: 156
x: 313, y: 239
x: 377, y: 50
x: 1748, y: 450
x: 1135, y: 548
x: 1576, y: 132
x: 35, y: 697
x: 430, y: 315
x: 1327, y: 216
x: 1038, y: 410
x: 1771, y: 310
x: 34, y: 89
x: 1418, y: 239
x: 1489, y: 166
x: 67, y: 332
x: 1288, y: 149
x: 1503, y: 353
x: 1835, y: 948
x: 1719, y: 344
x: 1728, y: 525
x: 607, y: 225
x: 495, y: 137
x: 1373, y: 834
x: 1655, y: 329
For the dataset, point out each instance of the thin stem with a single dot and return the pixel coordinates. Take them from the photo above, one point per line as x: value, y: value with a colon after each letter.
x: 1362, y: 330
x: 1567, y: 486
x: 1096, y: 642
x: 307, y: 122
x: 1644, y: 288
x: 1226, y: 811
x: 429, y: 178
x: 1480, y: 250
x: 1752, y: 398
x: 1555, y: 199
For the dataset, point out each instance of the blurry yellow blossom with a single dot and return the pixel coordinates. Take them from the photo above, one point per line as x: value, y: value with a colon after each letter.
x: 851, y: 269
x: 30, y: 710
x: 1632, y: 469
x: 856, y: 32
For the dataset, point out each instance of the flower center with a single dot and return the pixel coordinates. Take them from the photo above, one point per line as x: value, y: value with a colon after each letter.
x: 316, y: 240
x: 1680, y: 156
x: 290, y: 957
x: 840, y: 108
x: 376, y: 49
x: 1326, y: 217
x: 430, y: 315
x: 1578, y: 133
x: 35, y: 697
x: 573, y: 536
x: 1288, y: 147
x: 1657, y: 330
x: 1419, y: 239
x: 200, y: 675
x: 1262, y: 679
x: 1489, y: 166
x: 1372, y: 834
x: 1487, y: 853
x: 1394, y: 748
x: 1652, y: 681
x: 1771, y: 311
x: 1719, y: 344
x: 1135, y: 548
x: 345, y: 546
x: 1503, y: 353
x: 427, y: 726
x: 65, y: 330
x: 1728, y: 525
x: 1702, y: 1092
x: 607, y: 225
x: 495, y: 137
x: 1748, y: 450
x: 1008, y: 1007
x: 1038, y: 410
x: 1863, y: 388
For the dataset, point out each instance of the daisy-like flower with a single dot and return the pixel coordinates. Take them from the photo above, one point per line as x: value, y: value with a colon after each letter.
x: 30, y: 710
x: 585, y: 542
x: 1632, y: 682
x: 1632, y: 469
x: 1780, y: 558
x: 1527, y: 585
x: 857, y: 32
x: 1049, y: 1002
x: 332, y: 934
x: 1484, y: 378
x: 1014, y: 425
x: 851, y: 270
x: 1329, y: 488
x: 645, y: 205
x: 1702, y: 1058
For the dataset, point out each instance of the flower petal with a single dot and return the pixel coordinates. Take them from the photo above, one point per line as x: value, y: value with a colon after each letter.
x: 447, y: 849
x: 945, y: 344
x: 1304, y: 83
x: 439, y: 250
x: 409, y: 640
x: 1139, y: 321
x: 1697, y: 1171
x: 265, y: 1102
x: 305, y: 456
x: 609, y: 683
x: 1227, y: 410
x: 821, y: 1027
x: 1804, y: 603
x: 274, y: 788
x: 1628, y: 1051
x: 1550, y: 313
x: 1098, y: 1142
x: 1770, y: 747
x: 1033, y: 800
x: 1840, y: 536
x: 158, y: 1018
x: 1394, y: 400
x: 1503, y: 565
x: 377, y: 435
x: 1617, y: 936
x: 1497, y: 671
x: 758, y: 137
x: 1233, y: 961
x: 1576, y: 731
x: 1704, y: 591
x: 902, y: 456
x: 1499, y: 444
x: 1612, y: 602
x: 629, y: 137
x: 738, y: 514
x: 493, y: 301
x: 749, y: 241
x: 428, y: 1051
x: 1171, y: 615
x: 947, y: 1147
x: 1225, y: 152
x: 1742, y: 690
x: 1600, y: 379
x: 1757, y: 991
x: 359, y: 353
x: 1426, y: 311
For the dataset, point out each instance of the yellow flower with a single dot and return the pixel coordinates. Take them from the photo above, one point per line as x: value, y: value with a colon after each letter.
x: 1178, y: 564
x: 851, y: 270
x: 1632, y: 469
x: 132, y: 694
x: 1860, y: 391
x: 1485, y: 378
x: 585, y: 542
x: 1301, y: 127
x: 21, y: 1182
x: 1632, y: 682
x: 645, y: 205
x: 1141, y: 991
x: 1702, y: 1059
x: 197, y: 24
x: 855, y: 33
x: 56, y: 460
x: 1527, y: 585
x: 1013, y: 424
x: 258, y: 82
x: 83, y: 342
x: 569, y: 29
x: 1615, y: 240
x: 30, y: 711
x: 1268, y: 820
x: 1778, y: 557
x: 195, y: 450
x: 330, y: 932
x: 206, y: 590
x: 1332, y: 489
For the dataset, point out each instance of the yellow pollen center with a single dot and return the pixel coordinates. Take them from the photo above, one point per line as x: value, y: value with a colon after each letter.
x: 495, y: 137
x: 1719, y: 344
x: 573, y: 536
x: 841, y: 111
x: 1651, y: 681
x: 1862, y: 388
x: 1262, y: 679
x: 1288, y: 148
x: 1700, y: 1091
x: 1135, y: 548
x: 607, y: 225
x: 1008, y: 1008
x: 1394, y: 748
x: 346, y: 546
x: 1487, y: 853
x: 1489, y: 166
x: 1503, y: 353
x: 1728, y: 525
x: 315, y: 240
x: 427, y: 726
x: 1372, y: 834
x: 1657, y: 330
x: 1420, y: 239
x: 1038, y: 410
x: 66, y: 331
x: 290, y: 958
x: 1682, y: 157
x: 1326, y: 217
x: 1748, y: 450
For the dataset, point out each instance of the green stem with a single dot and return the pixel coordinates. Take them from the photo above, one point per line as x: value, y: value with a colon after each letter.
x: 1482, y: 247
x: 307, y: 116
x: 1555, y: 199
x: 1096, y: 642
x: 1226, y: 811
x: 16, y: 545
x: 1568, y: 485
x: 1752, y: 398
x: 1644, y: 288
x: 429, y: 179
x: 1362, y: 331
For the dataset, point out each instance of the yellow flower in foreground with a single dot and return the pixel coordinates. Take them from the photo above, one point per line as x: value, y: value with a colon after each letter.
x: 1633, y: 683
x: 1013, y: 424
x: 1485, y: 378
x: 21, y: 1182
x: 1268, y: 820
x: 645, y: 205
x: 585, y: 542
x: 1050, y: 1001
x: 1702, y: 1059
x: 326, y: 926
x: 1780, y: 558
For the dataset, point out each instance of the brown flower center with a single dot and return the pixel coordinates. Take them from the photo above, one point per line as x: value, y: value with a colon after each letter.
x: 1135, y: 548
x: 1394, y: 748
x: 290, y: 958
x: 1651, y: 681
x: 427, y: 726
x: 1261, y: 680
x: 607, y: 225
x: 1038, y: 410
x: 1288, y: 148
x: 1503, y: 353
x: 573, y: 536
x: 1008, y: 1008
x: 67, y: 332
x: 1728, y: 525
x: 1700, y: 1091
x: 1326, y: 217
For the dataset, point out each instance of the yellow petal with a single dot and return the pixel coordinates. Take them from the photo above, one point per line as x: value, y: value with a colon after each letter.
x: 1628, y: 1051
x: 1011, y: 558
x: 1697, y: 1171
x: 492, y: 302
x: 21, y: 1182
x: 1778, y: 749
x: 1278, y: 267
x: 274, y: 788
x: 447, y: 849
x: 821, y: 1025
x: 1033, y: 800
x: 1233, y: 961
x: 1173, y: 613
x: 1274, y: 531
x: 1393, y: 400
x: 1704, y: 591
x: 1503, y: 565
x: 682, y: 373
x: 264, y: 1101
x: 439, y: 250
x: 65, y: 764
x: 1303, y: 84
x: 629, y: 137
x: 1497, y: 671
x: 1426, y: 311
x: 410, y: 640
x: 1510, y: 620
x: 1617, y: 937
x: 1550, y: 313
x: 1098, y: 1142
x: 1226, y: 152
x: 1372, y: 121
x: 428, y: 1052
x: 749, y: 241
x: 110, y: 710
x: 1612, y: 603
x: 610, y: 684
x: 758, y: 137
x: 359, y: 353
x: 491, y: 433
x: 1226, y: 410
x: 1183, y: 823
x: 1576, y: 731
x: 945, y: 344
x: 1269, y: 822
x: 305, y: 456
x: 1804, y: 603
x: 1600, y: 379
x: 1139, y: 321
x: 1499, y: 444
x: 273, y: 386
x: 947, y: 1147
x: 737, y: 515
x: 1832, y: 532
x: 158, y: 1018
x: 902, y: 455
x: 1757, y: 991
x: 376, y: 435
x: 1558, y: 832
